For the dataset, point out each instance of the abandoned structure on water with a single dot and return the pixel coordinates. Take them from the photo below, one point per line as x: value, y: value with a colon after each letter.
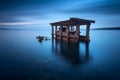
x: 70, y: 29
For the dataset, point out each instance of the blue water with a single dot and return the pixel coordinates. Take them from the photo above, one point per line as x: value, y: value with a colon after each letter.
x: 23, y: 57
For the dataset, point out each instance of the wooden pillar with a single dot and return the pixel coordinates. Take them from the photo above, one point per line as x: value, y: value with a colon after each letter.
x: 61, y: 32
x: 87, y: 31
x: 52, y: 31
x: 67, y: 33
x: 78, y: 31
x: 56, y: 31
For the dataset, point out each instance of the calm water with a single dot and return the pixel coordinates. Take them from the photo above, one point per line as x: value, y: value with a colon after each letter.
x: 23, y: 57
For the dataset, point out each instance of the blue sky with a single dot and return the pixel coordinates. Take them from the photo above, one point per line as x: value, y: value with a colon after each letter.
x: 106, y: 13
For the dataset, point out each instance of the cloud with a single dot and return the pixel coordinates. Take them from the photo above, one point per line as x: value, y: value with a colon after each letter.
x: 95, y: 7
x: 23, y: 23
x: 26, y: 12
x: 17, y: 4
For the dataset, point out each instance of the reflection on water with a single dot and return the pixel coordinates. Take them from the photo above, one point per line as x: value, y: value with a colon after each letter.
x: 22, y: 57
x: 70, y: 51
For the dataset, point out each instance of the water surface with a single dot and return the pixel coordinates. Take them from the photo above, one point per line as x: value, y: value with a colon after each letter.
x: 23, y: 57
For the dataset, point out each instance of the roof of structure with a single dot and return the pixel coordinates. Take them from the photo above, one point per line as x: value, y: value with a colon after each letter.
x: 72, y: 22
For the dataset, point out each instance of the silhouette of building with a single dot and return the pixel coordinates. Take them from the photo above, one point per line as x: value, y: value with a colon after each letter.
x: 70, y: 29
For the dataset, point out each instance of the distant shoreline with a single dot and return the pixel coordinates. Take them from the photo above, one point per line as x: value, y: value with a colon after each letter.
x: 108, y: 28
x: 9, y: 29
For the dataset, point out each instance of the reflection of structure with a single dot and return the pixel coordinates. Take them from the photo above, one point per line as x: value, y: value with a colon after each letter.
x: 70, y: 51
x: 70, y: 29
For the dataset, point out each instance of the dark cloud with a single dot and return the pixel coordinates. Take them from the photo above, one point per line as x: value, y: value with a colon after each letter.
x: 103, y: 7
x: 108, y: 7
x: 33, y: 10
x: 14, y: 4
x: 12, y: 10
x: 9, y: 4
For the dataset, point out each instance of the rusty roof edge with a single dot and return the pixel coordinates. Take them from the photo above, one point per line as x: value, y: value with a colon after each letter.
x: 58, y: 22
x: 77, y: 19
x: 86, y: 20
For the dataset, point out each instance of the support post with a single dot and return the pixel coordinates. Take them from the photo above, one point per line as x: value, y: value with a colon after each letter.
x: 67, y: 33
x: 78, y: 31
x: 56, y: 31
x: 52, y: 31
x: 87, y: 32
x: 61, y: 32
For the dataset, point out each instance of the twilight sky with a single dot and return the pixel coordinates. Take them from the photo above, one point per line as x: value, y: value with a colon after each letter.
x: 106, y: 13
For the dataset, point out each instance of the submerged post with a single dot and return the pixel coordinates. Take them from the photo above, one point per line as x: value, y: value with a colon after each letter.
x: 55, y: 31
x: 61, y: 32
x: 78, y: 31
x: 52, y: 31
x: 87, y: 32
x: 67, y: 32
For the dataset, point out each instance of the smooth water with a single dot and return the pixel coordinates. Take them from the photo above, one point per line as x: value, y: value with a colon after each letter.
x: 23, y: 57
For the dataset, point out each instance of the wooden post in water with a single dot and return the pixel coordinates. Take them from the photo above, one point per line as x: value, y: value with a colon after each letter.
x: 67, y: 29
x: 56, y: 31
x: 52, y: 31
x: 87, y: 32
x: 61, y: 32
x: 78, y: 31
